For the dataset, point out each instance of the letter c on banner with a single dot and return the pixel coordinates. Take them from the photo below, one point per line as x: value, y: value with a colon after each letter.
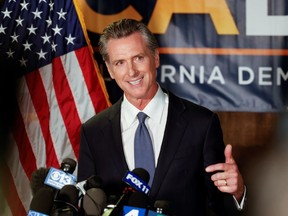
x: 96, y: 22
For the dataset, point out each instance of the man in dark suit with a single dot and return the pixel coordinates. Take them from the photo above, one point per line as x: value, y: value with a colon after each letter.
x: 193, y: 167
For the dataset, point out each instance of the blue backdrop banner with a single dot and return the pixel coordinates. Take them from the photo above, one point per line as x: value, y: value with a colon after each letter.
x: 227, y: 55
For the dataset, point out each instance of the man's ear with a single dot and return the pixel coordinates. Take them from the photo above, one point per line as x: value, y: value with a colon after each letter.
x: 109, y: 70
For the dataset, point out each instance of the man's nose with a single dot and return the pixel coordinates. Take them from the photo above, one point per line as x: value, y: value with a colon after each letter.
x: 132, y: 69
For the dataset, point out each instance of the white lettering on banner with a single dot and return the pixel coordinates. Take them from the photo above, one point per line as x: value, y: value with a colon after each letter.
x: 258, y: 23
x: 183, y: 72
x: 248, y: 73
x: 169, y: 72
x: 266, y: 76
x: 216, y: 75
x: 281, y: 74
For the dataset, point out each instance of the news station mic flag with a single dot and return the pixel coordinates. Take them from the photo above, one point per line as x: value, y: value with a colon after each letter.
x: 59, y: 85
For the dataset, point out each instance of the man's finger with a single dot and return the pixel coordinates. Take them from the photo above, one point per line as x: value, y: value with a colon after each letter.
x: 228, y: 154
x: 216, y: 167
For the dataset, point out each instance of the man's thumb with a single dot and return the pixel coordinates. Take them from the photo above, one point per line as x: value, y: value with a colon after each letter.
x: 228, y: 154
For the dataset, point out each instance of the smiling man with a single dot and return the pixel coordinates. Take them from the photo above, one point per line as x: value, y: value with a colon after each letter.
x: 192, y: 168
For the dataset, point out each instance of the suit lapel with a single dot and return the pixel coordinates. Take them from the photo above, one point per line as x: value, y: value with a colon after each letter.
x: 116, y: 146
x: 175, y: 127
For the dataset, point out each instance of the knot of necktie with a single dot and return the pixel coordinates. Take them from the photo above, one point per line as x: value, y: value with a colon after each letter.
x: 141, y: 117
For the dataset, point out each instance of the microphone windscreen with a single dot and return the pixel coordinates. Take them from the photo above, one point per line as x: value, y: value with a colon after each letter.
x: 93, y: 182
x: 138, y: 199
x: 68, y: 194
x: 142, y: 173
x: 94, y: 202
x: 37, y: 179
x: 163, y: 205
x: 68, y: 165
x: 42, y: 201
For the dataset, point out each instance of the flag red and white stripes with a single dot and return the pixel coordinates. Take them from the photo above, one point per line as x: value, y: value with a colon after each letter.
x: 60, y: 87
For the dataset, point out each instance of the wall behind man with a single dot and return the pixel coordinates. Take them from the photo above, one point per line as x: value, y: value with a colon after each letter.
x: 254, y: 137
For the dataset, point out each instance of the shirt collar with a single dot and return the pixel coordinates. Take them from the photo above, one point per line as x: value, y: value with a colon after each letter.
x: 154, y: 108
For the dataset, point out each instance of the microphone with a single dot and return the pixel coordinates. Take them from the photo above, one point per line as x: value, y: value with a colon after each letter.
x: 42, y: 202
x: 37, y: 180
x: 68, y: 165
x: 137, y: 204
x: 57, y: 178
x: 45, y: 177
x: 161, y: 207
x: 66, y: 203
x: 137, y: 180
x: 92, y: 182
x: 94, y: 198
x: 52, y: 179
x: 111, y: 203
x: 94, y: 202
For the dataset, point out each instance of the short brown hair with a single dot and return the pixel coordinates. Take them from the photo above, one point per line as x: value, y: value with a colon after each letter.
x: 123, y: 28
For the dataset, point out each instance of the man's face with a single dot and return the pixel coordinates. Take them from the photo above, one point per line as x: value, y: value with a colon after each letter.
x: 133, y: 67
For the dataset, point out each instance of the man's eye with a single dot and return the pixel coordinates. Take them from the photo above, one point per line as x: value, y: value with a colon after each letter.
x: 119, y: 63
x: 139, y: 58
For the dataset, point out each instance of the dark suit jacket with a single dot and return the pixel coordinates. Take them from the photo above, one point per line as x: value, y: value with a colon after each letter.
x: 192, y: 140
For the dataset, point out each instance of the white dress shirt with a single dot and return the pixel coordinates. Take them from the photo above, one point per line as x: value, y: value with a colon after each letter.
x: 157, y: 110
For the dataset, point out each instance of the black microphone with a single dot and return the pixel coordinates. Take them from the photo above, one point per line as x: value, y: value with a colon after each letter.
x: 94, y: 202
x: 52, y: 179
x: 138, y: 199
x: 162, y: 207
x: 66, y: 203
x: 57, y: 178
x: 94, y: 198
x: 92, y: 182
x: 137, y: 180
x: 138, y: 202
x: 37, y: 180
x: 68, y: 165
x: 42, y: 202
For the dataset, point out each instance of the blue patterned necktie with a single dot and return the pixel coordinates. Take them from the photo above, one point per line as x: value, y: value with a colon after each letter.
x: 143, y: 149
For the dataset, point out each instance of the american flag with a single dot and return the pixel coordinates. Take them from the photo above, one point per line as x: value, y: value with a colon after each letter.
x: 59, y: 88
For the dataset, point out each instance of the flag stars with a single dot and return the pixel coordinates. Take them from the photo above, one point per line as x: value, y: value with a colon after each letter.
x: 10, y: 53
x: 49, y: 22
x: 61, y: 14
x: 57, y: 30
x: 32, y: 30
x: 53, y: 46
x: 37, y: 14
x: 51, y: 5
x: 2, y: 29
x: 41, y: 54
x: 24, y: 5
x: 23, y: 62
x: 27, y: 46
x: 46, y: 38
x: 6, y: 13
x: 19, y: 21
x: 70, y: 39
x: 14, y: 37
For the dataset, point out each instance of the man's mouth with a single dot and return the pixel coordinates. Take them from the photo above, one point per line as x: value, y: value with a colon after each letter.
x: 136, y: 81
